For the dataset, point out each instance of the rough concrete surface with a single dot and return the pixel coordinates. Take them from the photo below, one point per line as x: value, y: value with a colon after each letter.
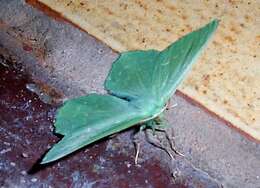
x: 57, y: 53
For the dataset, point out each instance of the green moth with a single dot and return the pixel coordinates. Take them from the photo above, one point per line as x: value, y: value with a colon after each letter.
x: 139, y: 85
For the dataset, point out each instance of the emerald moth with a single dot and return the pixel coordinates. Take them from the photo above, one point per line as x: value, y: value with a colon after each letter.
x: 139, y: 85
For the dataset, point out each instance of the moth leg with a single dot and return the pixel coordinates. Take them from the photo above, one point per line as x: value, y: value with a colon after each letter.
x: 137, y: 145
x: 169, y: 134
x: 152, y: 124
x: 160, y: 123
x: 136, y: 141
x: 163, y: 126
x: 152, y: 139
x: 157, y: 123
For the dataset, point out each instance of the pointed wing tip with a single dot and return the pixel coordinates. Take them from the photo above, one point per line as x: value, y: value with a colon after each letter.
x: 215, y: 22
x: 46, y: 159
x: 44, y: 162
x: 51, y: 156
x: 212, y: 26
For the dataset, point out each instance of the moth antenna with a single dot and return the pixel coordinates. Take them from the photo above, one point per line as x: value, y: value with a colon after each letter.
x: 137, y: 153
x: 174, y: 105
x: 136, y: 140
x: 169, y: 106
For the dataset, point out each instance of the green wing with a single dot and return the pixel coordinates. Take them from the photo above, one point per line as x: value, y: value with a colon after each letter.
x: 90, y: 118
x: 141, y: 82
x: 153, y: 76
